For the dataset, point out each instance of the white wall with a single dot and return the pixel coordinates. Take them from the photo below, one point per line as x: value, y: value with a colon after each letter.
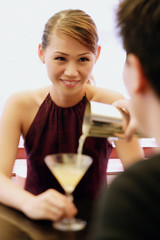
x: 21, y: 27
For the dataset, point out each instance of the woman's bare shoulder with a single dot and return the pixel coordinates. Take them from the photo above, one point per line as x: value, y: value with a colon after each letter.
x: 21, y: 107
x: 104, y: 95
x: 28, y: 97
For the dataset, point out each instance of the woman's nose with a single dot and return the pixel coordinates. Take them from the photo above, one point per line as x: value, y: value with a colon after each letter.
x: 71, y: 70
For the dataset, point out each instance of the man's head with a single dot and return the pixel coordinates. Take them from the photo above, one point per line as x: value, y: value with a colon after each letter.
x: 138, y: 22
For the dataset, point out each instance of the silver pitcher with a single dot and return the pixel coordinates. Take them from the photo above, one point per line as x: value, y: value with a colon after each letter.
x: 104, y: 120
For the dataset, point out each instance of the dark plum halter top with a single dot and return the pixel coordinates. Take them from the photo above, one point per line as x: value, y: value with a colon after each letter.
x: 57, y: 130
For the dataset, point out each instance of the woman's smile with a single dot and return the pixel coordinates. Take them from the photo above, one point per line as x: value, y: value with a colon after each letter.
x: 69, y: 83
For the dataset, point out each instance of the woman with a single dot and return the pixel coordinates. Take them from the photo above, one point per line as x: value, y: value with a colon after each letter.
x: 50, y: 121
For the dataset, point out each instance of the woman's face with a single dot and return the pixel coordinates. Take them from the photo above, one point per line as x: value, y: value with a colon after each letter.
x: 69, y: 65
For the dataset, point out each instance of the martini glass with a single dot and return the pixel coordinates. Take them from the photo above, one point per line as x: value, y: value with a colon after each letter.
x: 68, y: 169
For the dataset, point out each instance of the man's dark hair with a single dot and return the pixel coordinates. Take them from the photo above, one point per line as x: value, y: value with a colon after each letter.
x: 138, y: 22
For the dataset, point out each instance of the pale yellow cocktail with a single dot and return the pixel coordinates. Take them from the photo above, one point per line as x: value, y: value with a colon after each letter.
x: 68, y: 169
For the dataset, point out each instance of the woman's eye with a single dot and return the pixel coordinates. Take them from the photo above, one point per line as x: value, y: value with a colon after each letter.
x: 60, y: 59
x: 84, y: 59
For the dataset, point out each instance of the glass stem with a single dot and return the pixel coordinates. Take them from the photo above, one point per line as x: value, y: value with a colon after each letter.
x: 69, y: 195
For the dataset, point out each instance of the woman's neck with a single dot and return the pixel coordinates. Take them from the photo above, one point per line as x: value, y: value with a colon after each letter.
x: 66, y: 100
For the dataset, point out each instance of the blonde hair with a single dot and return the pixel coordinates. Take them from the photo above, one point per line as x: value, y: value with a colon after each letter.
x: 74, y: 23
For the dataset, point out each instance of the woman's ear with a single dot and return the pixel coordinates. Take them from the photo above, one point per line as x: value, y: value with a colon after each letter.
x: 41, y: 53
x: 98, y: 52
x: 140, y: 83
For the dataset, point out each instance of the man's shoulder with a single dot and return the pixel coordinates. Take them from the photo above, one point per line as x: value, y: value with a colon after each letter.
x: 145, y: 173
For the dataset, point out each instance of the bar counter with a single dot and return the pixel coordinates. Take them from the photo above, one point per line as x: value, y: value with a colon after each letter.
x: 16, y: 226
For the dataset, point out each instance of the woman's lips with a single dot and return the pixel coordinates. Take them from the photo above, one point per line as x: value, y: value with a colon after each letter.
x: 70, y: 83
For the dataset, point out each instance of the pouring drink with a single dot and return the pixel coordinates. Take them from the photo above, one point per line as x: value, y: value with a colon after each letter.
x: 105, y: 121
x: 100, y: 120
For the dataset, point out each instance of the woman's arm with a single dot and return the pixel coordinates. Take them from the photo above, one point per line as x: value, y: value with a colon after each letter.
x: 48, y: 205
x: 129, y: 152
x: 103, y: 95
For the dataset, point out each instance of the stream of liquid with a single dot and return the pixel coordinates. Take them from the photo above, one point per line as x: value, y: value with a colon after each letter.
x: 81, y: 143
x: 80, y: 146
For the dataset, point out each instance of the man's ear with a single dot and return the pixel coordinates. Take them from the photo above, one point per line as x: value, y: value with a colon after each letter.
x: 98, y: 52
x: 140, y: 80
x: 41, y: 53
